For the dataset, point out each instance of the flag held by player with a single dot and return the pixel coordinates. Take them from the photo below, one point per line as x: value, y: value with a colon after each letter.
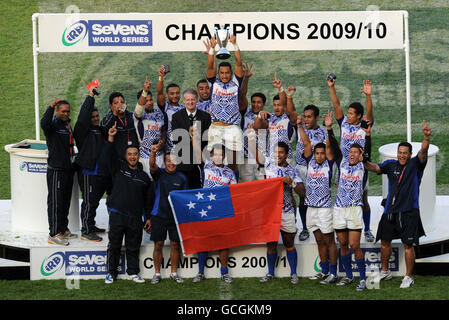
x: 228, y: 216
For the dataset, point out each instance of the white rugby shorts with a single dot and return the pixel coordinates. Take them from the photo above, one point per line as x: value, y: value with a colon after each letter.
x: 348, y: 218
x: 230, y: 136
x: 288, y: 222
x: 320, y: 219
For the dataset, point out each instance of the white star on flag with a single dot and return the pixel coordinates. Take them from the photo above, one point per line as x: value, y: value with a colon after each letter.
x: 211, y: 196
x: 199, y: 195
x: 203, y: 213
x: 191, y: 205
x: 209, y: 207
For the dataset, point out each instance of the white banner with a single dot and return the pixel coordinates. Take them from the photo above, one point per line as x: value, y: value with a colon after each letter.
x: 255, y: 31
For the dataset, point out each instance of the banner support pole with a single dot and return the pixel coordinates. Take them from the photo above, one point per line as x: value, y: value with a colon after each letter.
x: 36, y: 76
x: 407, y: 77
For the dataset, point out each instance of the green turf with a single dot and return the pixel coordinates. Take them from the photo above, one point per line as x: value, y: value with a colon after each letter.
x: 425, y: 288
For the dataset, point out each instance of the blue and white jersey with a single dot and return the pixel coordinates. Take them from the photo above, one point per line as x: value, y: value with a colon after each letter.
x: 351, y: 183
x: 214, y: 176
x: 280, y: 130
x: 316, y: 136
x: 318, y: 183
x: 170, y: 111
x: 224, y: 106
x: 204, y: 106
x: 350, y: 134
x: 248, y: 120
x: 153, y: 123
x: 272, y: 170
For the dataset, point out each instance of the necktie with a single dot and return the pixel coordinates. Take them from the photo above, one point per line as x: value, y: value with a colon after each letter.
x: 191, y: 118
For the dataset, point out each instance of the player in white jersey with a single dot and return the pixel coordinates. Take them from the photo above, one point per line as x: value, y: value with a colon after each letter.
x: 348, y: 220
x: 316, y: 135
x: 214, y: 174
x: 168, y: 102
x: 351, y: 131
x: 279, y: 124
x: 224, y: 107
x: 277, y: 166
x: 203, y: 90
x: 151, y: 127
x: 319, y: 170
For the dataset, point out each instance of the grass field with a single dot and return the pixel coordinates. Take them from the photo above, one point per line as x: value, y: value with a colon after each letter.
x: 66, y: 75
x: 426, y: 288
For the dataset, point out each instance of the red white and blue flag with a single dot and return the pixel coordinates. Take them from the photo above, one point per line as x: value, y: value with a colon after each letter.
x: 228, y: 216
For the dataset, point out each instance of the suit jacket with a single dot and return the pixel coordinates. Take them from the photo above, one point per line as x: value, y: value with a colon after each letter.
x: 181, y: 120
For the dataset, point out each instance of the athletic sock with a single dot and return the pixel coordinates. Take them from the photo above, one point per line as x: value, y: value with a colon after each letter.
x: 302, y: 214
x: 223, y: 270
x: 362, y: 268
x: 271, y: 259
x: 202, y: 256
x: 237, y: 175
x: 347, y: 265
x: 333, y: 269
x: 324, y: 267
x: 366, y: 219
x: 292, y: 257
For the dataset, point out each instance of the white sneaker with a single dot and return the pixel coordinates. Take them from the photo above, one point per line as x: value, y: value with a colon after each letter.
x: 407, y: 282
x: 386, y: 275
x: 136, y: 278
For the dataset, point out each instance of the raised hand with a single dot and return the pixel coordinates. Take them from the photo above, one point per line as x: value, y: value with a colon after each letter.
x: 330, y: 83
x: 232, y: 38
x: 213, y: 42
x: 247, y: 71
x: 112, y: 132
x: 299, y: 120
x: 161, y: 71
x: 425, y: 129
x: 55, y: 102
x: 207, y: 44
x: 146, y: 84
x: 277, y: 83
x: 328, y: 120
x: 291, y: 90
x: 367, y: 87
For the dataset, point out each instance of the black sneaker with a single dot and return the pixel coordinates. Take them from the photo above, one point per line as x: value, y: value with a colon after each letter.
x: 91, y: 237
x: 98, y: 230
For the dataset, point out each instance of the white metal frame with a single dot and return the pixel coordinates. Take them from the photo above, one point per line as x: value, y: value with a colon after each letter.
x: 407, y: 74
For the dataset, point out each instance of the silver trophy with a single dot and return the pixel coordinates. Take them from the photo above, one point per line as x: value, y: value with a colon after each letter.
x: 222, y: 36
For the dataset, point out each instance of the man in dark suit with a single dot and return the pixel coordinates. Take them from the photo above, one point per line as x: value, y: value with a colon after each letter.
x: 182, y: 123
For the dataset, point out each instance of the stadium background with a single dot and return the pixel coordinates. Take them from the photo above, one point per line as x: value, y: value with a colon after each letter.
x: 66, y: 75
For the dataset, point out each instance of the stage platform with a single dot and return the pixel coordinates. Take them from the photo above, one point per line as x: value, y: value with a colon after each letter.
x: 87, y: 260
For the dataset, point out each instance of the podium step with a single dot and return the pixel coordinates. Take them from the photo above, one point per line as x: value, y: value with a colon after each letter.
x: 443, y: 258
x: 12, y: 263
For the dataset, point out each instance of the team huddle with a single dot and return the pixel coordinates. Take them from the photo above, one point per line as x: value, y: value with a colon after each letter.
x: 218, y: 138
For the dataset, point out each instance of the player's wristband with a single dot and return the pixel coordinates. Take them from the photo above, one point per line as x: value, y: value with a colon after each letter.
x: 236, y: 46
x: 144, y: 94
x: 211, y: 51
x: 280, y: 89
x: 293, y: 184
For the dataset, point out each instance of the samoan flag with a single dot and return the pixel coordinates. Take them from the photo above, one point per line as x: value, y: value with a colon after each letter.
x: 228, y: 216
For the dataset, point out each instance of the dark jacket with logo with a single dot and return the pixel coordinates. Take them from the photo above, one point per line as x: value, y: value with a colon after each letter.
x: 89, y: 139
x: 126, y: 131
x: 58, y: 140
x: 132, y: 190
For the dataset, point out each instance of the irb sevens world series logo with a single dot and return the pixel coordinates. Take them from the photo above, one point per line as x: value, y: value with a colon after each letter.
x: 74, y: 33
x: 109, y: 33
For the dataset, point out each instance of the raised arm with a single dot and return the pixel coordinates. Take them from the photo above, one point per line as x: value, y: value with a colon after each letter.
x: 291, y: 110
x: 328, y: 121
x: 153, y: 166
x: 304, y: 138
x: 160, y: 96
x: 335, y: 101
x: 277, y: 83
x: 238, y: 68
x: 367, y: 89
x: 140, y: 107
x: 211, y: 71
x: 247, y: 73
x: 261, y: 121
x: 422, y: 154
x: 47, y: 117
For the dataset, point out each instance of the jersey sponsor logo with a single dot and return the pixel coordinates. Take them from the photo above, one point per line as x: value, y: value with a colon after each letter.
x: 109, y: 33
x: 352, y: 136
x: 349, y: 177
